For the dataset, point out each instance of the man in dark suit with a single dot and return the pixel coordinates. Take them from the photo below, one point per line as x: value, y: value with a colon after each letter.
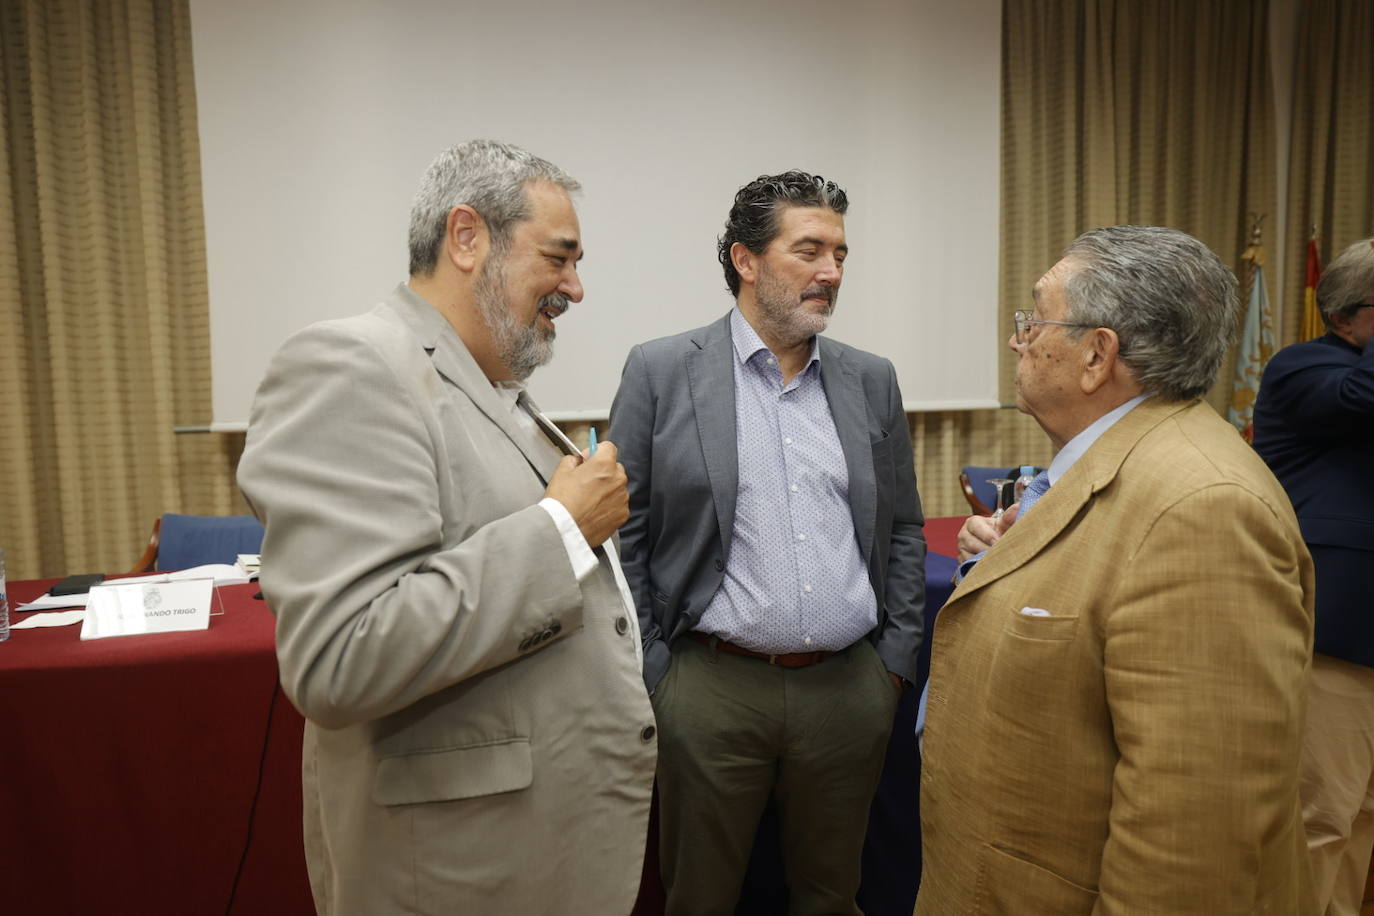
x: 1313, y: 427
x: 775, y: 554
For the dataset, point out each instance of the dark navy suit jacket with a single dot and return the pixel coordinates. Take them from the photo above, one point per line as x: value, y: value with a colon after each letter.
x: 1314, y: 426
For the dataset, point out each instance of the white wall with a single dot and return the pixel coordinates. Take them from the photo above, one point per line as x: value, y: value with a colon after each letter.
x: 319, y: 116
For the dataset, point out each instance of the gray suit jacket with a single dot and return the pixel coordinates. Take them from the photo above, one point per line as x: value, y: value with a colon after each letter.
x: 674, y: 422
x: 474, y: 742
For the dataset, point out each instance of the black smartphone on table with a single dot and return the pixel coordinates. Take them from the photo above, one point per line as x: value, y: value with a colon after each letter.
x: 76, y: 585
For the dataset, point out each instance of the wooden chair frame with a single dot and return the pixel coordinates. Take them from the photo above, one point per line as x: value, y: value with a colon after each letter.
x: 148, y: 562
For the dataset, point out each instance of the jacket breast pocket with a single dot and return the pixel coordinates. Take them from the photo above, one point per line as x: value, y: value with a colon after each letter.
x: 1035, y: 677
x: 880, y: 443
x: 1031, y: 626
x: 449, y: 774
x: 884, y: 472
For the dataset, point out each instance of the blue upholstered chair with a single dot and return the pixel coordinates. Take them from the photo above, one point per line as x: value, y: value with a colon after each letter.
x: 183, y: 541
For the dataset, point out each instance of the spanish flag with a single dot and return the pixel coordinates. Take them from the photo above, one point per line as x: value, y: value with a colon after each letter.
x: 1312, y: 324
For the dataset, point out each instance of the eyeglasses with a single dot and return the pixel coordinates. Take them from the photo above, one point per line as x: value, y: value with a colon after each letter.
x: 1023, y: 320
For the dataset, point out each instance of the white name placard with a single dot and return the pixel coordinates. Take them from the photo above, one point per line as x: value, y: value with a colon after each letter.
x: 147, y: 607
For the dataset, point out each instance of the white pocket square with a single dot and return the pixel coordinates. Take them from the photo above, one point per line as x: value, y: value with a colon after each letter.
x: 1036, y: 612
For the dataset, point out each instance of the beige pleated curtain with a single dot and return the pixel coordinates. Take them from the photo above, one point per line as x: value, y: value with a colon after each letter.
x: 1155, y: 112
x: 104, y: 339
x: 1152, y: 112
x: 1331, y: 160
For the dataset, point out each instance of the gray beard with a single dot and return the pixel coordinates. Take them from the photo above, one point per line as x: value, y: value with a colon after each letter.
x: 522, y: 348
x: 783, y: 316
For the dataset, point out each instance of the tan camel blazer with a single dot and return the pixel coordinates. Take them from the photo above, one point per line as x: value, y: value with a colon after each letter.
x: 1136, y: 750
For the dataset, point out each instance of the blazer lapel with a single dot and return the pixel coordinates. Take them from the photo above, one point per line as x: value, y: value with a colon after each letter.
x: 453, y: 361
x: 849, y: 409
x: 556, y: 435
x: 1091, y: 473
x: 711, y: 384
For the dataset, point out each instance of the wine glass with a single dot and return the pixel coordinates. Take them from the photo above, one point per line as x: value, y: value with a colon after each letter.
x: 1002, y: 487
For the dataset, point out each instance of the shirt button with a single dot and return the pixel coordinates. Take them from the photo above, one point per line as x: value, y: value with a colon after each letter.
x: 801, y: 537
x: 807, y: 589
x: 787, y: 440
x: 622, y: 626
x: 647, y: 733
x: 772, y: 361
x: 807, y: 640
x: 793, y: 488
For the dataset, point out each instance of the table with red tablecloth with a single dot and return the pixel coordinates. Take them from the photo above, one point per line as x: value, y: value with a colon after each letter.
x: 153, y: 774
x: 160, y: 774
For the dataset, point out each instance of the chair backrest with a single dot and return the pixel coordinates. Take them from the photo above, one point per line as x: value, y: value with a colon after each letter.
x: 194, y: 540
x: 980, y: 495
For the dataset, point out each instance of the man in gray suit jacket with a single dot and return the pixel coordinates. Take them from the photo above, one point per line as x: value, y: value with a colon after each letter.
x: 775, y: 554
x: 450, y: 614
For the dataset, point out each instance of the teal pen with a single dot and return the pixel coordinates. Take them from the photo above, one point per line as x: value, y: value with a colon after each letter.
x: 591, y: 442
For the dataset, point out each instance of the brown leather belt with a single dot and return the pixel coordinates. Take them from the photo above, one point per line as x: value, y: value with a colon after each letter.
x: 788, y: 660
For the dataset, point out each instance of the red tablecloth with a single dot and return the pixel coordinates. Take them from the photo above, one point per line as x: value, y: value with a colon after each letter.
x: 942, y: 534
x: 160, y: 774
x: 150, y: 774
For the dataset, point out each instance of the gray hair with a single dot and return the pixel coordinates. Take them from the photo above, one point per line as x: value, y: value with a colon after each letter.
x: 488, y: 176
x: 1168, y: 297
x: 1348, y: 282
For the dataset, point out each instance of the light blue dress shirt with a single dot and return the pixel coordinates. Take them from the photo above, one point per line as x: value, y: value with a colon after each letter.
x: 795, y: 580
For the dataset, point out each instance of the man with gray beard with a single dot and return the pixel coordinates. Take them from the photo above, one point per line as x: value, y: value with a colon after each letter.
x: 451, y: 616
x: 775, y: 554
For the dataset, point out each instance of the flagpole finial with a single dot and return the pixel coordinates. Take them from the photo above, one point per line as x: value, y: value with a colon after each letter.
x: 1256, y: 227
x: 1315, y: 237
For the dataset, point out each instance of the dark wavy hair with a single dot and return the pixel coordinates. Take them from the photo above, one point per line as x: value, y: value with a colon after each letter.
x: 753, y: 219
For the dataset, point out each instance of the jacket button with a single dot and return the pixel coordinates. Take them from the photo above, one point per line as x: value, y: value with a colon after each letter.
x: 647, y: 734
x: 622, y: 626
x: 720, y: 564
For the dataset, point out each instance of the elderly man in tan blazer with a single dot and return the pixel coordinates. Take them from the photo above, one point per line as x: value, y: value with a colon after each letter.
x: 1117, y: 685
x: 451, y: 618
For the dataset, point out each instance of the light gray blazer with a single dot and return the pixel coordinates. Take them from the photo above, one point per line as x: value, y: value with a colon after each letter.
x: 673, y: 421
x: 475, y: 739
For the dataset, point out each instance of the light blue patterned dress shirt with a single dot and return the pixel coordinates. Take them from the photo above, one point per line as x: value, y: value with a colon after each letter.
x: 795, y: 580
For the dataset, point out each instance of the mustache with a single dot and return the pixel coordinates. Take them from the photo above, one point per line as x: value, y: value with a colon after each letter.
x: 556, y: 301
x: 827, y: 293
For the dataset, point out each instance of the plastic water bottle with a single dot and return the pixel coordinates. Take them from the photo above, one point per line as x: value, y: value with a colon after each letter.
x: 1023, y: 481
x: 4, y: 601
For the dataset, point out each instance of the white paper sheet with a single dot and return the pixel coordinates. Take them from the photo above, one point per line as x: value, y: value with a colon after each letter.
x: 54, y: 619
x: 222, y: 573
